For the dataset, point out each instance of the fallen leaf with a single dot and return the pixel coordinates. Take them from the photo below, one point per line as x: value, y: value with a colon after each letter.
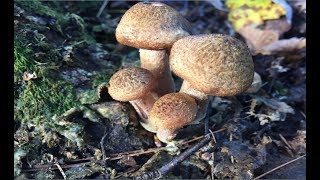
x: 256, y: 38
x: 275, y: 105
x: 262, y: 23
x: 28, y: 76
x: 127, y: 161
x: 285, y: 45
x: 246, y: 160
x: 272, y: 111
x: 244, y: 12
x: 279, y: 25
x: 19, y: 154
x: 266, y: 41
x: 84, y: 171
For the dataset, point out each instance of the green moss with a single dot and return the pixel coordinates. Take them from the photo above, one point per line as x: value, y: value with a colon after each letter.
x: 41, y: 9
x: 92, y: 96
x: 103, y: 77
x: 88, y: 38
x: 21, y: 63
x: 41, y: 98
x: 55, y: 11
x: 71, y: 130
x: 280, y: 89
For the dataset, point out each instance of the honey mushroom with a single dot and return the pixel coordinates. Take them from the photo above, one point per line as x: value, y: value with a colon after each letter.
x: 170, y: 113
x: 135, y: 85
x: 211, y: 65
x: 153, y: 27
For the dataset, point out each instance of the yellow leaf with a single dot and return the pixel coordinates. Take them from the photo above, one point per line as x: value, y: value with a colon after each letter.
x: 234, y: 4
x: 244, y: 12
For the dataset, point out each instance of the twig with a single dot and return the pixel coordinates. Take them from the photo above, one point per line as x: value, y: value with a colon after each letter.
x: 61, y: 171
x: 212, y: 155
x: 206, y: 124
x: 151, y: 150
x: 139, y: 152
x: 285, y: 141
x: 232, y: 159
x: 206, y: 120
x: 191, y: 140
x: 272, y: 83
x: 168, y: 167
x: 304, y: 115
x: 121, y: 174
x: 212, y: 165
x: 114, y: 156
x: 105, y: 2
x: 289, y: 148
x: 43, y: 167
x: 213, y: 137
x: 135, y: 153
x: 102, y: 143
x: 103, y: 150
x: 276, y: 168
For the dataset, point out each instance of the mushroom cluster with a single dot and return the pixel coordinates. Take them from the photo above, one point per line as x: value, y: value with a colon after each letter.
x: 209, y: 64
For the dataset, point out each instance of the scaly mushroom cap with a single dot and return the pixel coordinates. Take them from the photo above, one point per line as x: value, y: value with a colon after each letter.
x: 173, y: 111
x: 151, y: 25
x: 215, y: 64
x: 130, y: 83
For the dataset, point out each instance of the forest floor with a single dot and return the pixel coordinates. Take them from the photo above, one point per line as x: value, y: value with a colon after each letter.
x: 67, y: 125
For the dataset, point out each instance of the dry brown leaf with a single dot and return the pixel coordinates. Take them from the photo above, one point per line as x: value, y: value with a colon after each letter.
x: 257, y: 38
x: 266, y: 41
x: 285, y: 45
x: 279, y: 25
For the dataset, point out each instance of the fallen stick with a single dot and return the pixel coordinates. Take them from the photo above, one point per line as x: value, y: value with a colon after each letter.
x: 276, y: 168
x: 168, y: 167
x: 112, y: 157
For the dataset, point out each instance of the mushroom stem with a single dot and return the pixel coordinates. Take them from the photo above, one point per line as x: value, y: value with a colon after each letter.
x: 143, y: 107
x: 201, y: 98
x: 166, y: 135
x: 157, y: 62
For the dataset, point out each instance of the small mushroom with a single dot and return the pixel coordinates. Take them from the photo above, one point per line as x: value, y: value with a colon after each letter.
x: 153, y: 27
x: 211, y: 64
x: 170, y: 113
x: 135, y: 85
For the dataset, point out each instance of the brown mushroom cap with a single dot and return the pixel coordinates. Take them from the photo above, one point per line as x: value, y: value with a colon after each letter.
x: 215, y: 64
x: 130, y: 83
x: 151, y: 25
x: 173, y: 111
